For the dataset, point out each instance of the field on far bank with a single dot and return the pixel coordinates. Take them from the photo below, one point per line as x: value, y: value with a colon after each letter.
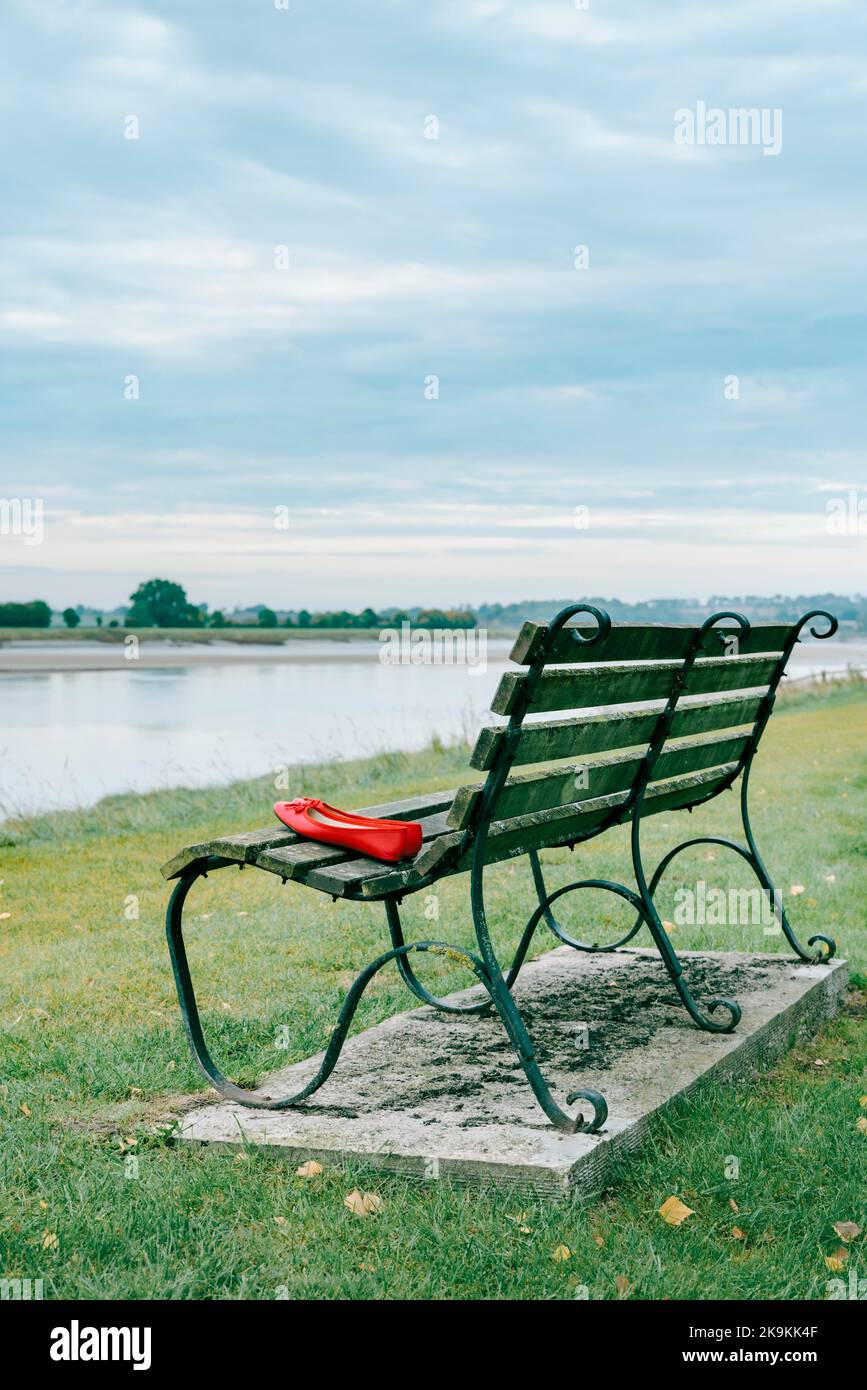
x: 266, y: 635
x: 95, y: 1068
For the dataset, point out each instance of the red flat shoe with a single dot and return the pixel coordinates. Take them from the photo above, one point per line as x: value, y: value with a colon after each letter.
x: 378, y: 839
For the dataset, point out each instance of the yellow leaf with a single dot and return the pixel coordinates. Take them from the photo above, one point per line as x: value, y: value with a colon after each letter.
x: 838, y: 1260
x: 561, y: 1253
x: 674, y: 1212
x: 25, y: 1108
x: 734, y: 1206
x: 49, y: 1240
x: 362, y: 1203
x: 4, y: 916
x: 622, y: 1285
x: 847, y: 1230
x: 738, y: 1233
x: 862, y: 1101
x: 310, y: 1169
x: 669, y: 926
x: 280, y: 1221
x: 860, y: 1124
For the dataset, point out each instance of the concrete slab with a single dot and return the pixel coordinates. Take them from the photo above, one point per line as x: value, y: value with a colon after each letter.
x: 432, y: 1095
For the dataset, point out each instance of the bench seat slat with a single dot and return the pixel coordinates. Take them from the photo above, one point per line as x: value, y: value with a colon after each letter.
x: 508, y: 838
x: 246, y: 847
x: 548, y: 740
x: 581, y: 687
x: 306, y: 857
x: 641, y: 641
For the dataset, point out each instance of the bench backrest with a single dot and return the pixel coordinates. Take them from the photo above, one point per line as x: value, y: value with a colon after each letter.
x: 703, y: 696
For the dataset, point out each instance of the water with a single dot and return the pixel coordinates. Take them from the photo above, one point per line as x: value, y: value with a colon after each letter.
x: 70, y: 737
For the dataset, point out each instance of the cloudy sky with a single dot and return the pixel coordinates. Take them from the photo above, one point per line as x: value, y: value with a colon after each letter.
x: 338, y: 268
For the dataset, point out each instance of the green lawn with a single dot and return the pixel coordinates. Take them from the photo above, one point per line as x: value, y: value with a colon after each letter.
x: 94, y: 1065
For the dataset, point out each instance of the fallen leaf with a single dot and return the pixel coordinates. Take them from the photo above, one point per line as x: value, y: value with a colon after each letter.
x: 830, y: 878
x: 862, y: 1101
x: 561, y: 1253
x: 310, y: 1169
x: 838, y: 1260
x: 669, y: 926
x: 847, y: 1230
x: 43, y: 1206
x: 4, y: 916
x: 738, y: 1233
x: 362, y: 1203
x: 733, y: 1204
x: 25, y: 1108
x: 674, y: 1212
x: 796, y: 888
x: 861, y: 1124
x: 599, y: 1240
x: 280, y: 1221
x: 49, y: 1240
x: 622, y: 1285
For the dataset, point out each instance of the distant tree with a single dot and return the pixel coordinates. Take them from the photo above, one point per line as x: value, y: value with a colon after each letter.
x: 99, y: 620
x: 369, y: 618
x: 216, y: 619
x: 162, y: 603
x: 35, y: 614
x: 303, y: 618
x: 288, y: 621
x: 70, y: 617
x: 114, y: 623
x: 267, y: 617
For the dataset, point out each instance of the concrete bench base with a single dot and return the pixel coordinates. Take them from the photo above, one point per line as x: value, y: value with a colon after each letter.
x: 435, y: 1096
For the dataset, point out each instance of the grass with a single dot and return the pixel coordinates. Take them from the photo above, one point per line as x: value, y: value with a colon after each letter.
x: 95, y: 1069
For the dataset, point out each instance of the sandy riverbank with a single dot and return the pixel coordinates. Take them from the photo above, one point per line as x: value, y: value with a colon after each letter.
x: 31, y: 658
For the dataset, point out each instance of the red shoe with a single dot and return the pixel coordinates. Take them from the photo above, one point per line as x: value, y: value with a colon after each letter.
x: 378, y: 839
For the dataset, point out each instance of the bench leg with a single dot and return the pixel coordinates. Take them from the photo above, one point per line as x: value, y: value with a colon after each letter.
x: 755, y: 859
x: 545, y: 900
x: 750, y: 853
x: 668, y: 953
x: 192, y: 1021
x: 499, y: 988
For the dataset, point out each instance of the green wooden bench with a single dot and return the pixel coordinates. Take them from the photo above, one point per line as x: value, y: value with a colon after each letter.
x: 676, y: 716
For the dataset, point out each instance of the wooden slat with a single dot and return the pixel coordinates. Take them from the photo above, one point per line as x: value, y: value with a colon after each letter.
x: 538, y: 791
x: 306, y: 857
x: 548, y: 829
x: 246, y: 847
x: 599, y: 733
x: 644, y: 642
x: 580, y: 687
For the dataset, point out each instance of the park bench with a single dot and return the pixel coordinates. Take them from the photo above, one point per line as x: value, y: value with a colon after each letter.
x: 651, y: 719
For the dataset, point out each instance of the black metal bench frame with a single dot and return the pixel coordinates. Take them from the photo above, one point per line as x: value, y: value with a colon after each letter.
x: 483, y: 961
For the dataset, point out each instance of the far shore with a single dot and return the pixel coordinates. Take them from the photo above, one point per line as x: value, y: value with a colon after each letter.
x: 31, y: 656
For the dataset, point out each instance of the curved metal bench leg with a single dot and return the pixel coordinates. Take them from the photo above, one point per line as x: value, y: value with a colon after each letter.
x: 192, y: 1022
x: 499, y: 988
x: 409, y: 976
x: 668, y: 953
x: 755, y: 859
x: 545, y: 899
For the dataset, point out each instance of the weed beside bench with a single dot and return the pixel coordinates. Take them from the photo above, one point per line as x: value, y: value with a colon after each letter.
x: 679, y: 713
